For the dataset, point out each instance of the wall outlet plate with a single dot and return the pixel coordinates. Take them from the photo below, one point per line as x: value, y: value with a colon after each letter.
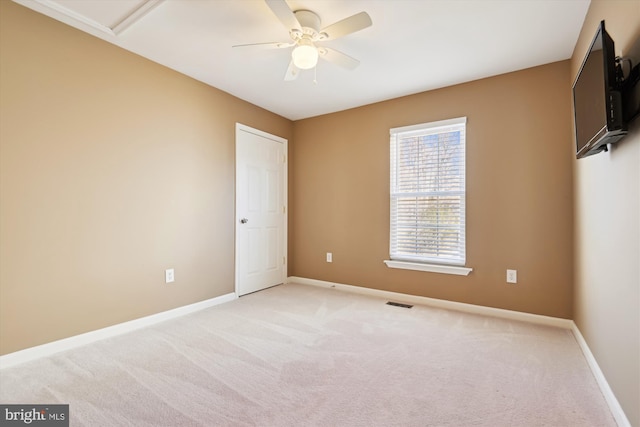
x: 169, y: 276
x: 512, y: 276
x: 329, y: 257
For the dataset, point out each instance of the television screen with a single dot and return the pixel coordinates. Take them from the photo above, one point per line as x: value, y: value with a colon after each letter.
x: 589, y: 96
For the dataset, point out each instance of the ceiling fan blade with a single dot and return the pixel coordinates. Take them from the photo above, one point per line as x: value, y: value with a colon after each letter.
x: 270, y: 45
x: 292, y: 72
x: 338, y: 58
x: 349, y: 25
x: 283, y: 12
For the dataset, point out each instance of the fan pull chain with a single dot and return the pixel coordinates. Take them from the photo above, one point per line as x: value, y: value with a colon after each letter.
x: 315, y: 75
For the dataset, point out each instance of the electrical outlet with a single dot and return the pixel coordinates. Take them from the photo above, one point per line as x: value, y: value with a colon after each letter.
x: 329, y: 257
x: 512, y: 276
x: 169, y: 275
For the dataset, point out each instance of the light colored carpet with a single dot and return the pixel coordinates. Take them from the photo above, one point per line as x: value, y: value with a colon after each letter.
x: 297, y: 355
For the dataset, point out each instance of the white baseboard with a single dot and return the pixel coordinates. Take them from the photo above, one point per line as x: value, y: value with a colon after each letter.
x: 433, y: 302
x: 614, y: 405
x: 48, y: 349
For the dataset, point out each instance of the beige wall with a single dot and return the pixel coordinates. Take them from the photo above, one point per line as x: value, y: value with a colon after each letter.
x: 607, y: 229
x: 112, y: 169
x: 519, y: 192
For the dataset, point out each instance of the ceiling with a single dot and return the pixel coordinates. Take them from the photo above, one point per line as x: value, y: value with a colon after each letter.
x: 412, y: 46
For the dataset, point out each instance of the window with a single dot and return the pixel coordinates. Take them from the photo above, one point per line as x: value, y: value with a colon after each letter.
x: 428, y: 195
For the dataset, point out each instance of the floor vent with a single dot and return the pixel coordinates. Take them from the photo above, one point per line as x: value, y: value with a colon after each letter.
x: 397, y: 304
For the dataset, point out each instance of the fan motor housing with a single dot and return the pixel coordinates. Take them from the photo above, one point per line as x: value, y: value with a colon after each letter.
x: 309, y: 21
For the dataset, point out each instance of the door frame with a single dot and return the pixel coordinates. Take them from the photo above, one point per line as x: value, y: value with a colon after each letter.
x: 285, y: 196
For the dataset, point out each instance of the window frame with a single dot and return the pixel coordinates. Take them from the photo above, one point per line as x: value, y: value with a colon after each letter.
x: 424, y: 263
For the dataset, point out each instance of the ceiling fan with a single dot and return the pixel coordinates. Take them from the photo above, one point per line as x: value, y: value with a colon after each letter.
x: 305, y: 32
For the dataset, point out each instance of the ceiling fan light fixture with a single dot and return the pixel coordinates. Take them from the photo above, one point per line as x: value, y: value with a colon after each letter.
x: 305, y: 55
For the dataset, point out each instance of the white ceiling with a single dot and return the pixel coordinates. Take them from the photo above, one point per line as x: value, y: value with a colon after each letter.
x: 412, y: 46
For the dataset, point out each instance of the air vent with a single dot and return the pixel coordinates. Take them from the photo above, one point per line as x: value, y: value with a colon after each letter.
x: 398, y: 304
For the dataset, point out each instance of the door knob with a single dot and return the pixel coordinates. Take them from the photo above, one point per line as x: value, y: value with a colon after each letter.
x: 244, y: 221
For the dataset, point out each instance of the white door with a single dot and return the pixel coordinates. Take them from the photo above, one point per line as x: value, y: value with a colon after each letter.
x: 261, y: 210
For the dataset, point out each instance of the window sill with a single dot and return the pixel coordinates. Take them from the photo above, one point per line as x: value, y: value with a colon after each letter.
x: 433, y: 268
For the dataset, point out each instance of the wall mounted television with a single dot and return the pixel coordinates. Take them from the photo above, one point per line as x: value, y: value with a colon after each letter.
x: 597, y: 98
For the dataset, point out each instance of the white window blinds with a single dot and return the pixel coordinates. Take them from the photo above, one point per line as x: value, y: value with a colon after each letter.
x: 428, y: 192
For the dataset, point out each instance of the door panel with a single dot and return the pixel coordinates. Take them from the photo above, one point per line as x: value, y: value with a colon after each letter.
x: 260, y: 210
